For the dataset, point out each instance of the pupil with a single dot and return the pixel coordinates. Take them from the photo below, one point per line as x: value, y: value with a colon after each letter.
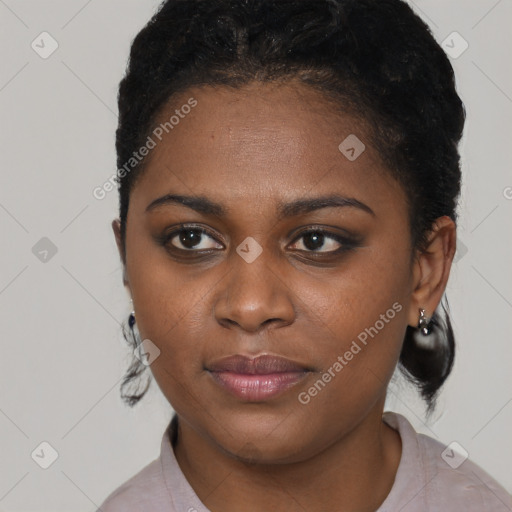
x: 190, y: 238
x: 317, y: 240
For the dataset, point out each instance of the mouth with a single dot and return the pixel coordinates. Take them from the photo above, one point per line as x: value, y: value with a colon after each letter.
x: 257, y: 379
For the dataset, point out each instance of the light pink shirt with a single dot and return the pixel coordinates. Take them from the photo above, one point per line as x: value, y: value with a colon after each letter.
x: 430, y: 477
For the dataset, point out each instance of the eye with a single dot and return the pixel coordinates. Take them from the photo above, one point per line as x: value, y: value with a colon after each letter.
x: 191, y: 239
x: 323, y: 242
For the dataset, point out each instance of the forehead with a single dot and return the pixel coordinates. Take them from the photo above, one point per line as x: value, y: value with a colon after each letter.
x: 260, y: 143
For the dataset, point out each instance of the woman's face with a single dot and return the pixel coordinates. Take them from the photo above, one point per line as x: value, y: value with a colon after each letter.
x: 260, y: 279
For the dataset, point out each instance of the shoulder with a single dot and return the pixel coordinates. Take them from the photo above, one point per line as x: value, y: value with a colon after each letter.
x: 456, y: 480
x: 160, y: 486
x: 436, y: 476
x: 143, y: 491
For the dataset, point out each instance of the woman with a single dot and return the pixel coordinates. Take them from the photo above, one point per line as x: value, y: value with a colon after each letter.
x: 288, y: 176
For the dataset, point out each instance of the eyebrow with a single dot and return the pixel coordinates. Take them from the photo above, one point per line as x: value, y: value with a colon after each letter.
x: 300, y: 206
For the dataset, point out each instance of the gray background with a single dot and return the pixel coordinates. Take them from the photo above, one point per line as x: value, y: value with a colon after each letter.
x: 63, y: 355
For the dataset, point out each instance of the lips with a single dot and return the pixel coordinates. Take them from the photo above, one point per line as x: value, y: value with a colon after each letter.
x: 260, y: 365
x: 256, y: 379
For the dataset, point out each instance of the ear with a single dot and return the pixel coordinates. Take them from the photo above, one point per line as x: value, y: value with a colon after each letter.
x: 116, y: 227
x: 432, y: 269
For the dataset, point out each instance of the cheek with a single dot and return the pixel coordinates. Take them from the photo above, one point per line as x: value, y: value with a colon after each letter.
x: 164, y: 293
x: 362, y: 312
x: 362, y: 335
x: 369, y: 292
x: 170, y: 311
x: 358, y: 357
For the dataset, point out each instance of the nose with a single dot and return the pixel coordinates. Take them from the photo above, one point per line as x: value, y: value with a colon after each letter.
x: 254, y: 295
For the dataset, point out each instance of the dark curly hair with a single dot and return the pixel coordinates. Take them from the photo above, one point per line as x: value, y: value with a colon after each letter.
x: 374, y: 58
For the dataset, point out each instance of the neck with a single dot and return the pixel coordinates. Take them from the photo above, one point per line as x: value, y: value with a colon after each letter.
x: 354, y: 473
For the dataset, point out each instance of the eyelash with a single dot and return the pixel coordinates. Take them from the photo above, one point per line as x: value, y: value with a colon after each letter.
x: 347, y: 244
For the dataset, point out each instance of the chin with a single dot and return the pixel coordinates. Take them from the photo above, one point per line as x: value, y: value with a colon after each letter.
x: 269, y: 451
x: 263, y: 438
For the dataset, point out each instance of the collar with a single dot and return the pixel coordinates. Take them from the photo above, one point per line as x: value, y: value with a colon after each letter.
x: 409, y: 480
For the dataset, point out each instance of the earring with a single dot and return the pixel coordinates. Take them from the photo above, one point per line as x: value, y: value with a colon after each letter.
x: 423, y: 323
x: 131, y: 320
x: 425, y: 335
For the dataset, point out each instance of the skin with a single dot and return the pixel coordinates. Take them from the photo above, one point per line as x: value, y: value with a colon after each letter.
x: 251, y: 149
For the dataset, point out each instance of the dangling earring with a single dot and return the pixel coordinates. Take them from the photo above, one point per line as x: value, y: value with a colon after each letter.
x: 423, y: 324
x: 131, y: 320
x: 425, y: 335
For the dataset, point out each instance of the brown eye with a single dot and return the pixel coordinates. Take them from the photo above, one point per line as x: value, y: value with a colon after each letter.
x: 322, y: 242
x: 191, y: 239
